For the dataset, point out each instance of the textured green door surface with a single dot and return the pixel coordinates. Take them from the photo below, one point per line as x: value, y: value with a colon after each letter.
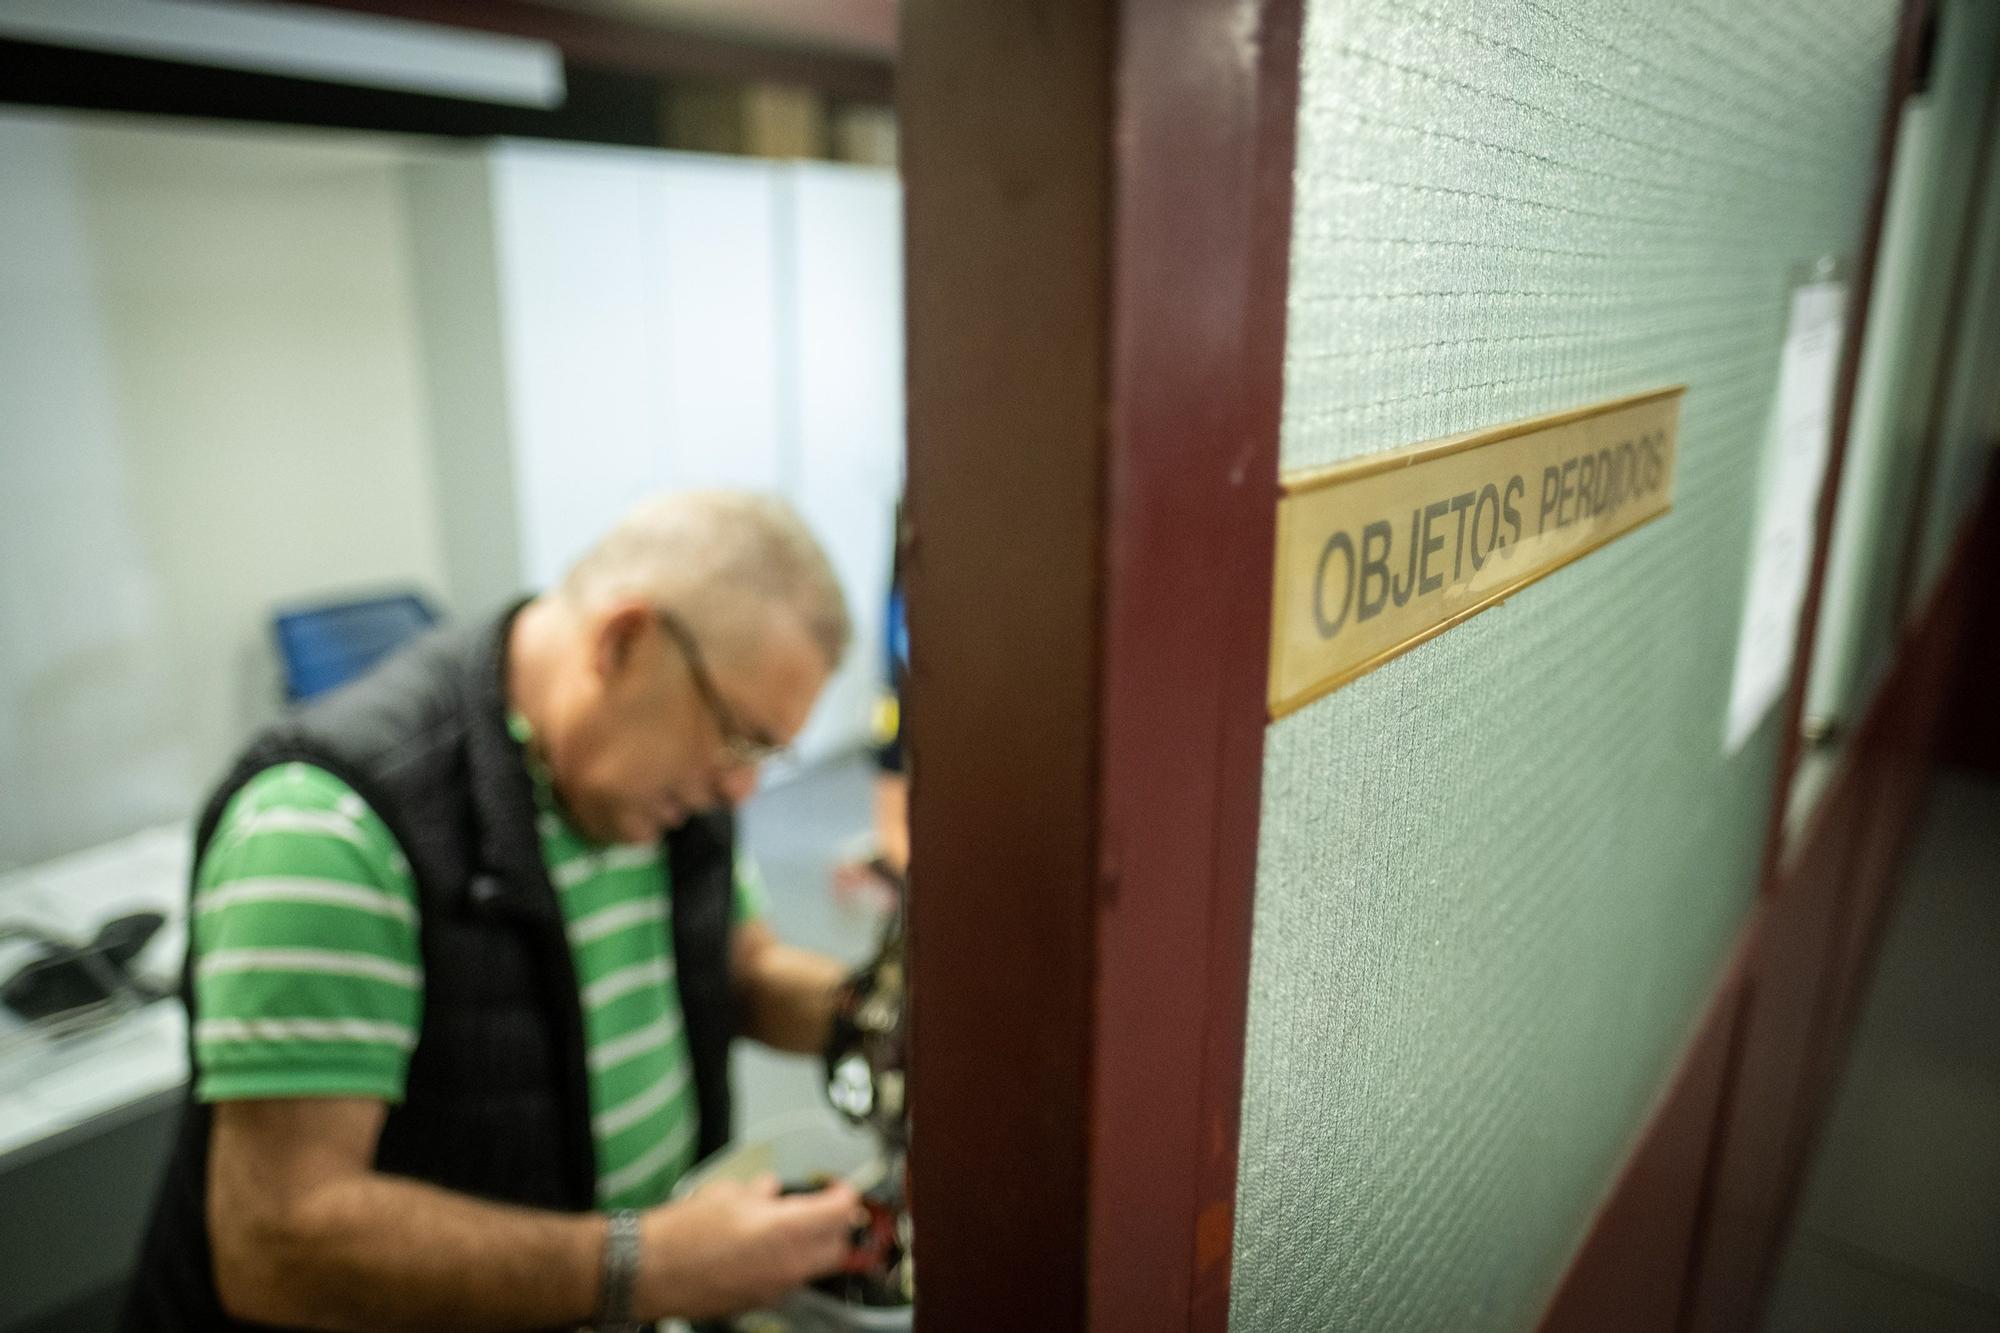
x: 1498, y: 876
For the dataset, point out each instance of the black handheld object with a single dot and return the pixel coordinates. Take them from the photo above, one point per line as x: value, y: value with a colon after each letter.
x: 864, y: 1056
x: 67, y: 976
x: 865, y: 1083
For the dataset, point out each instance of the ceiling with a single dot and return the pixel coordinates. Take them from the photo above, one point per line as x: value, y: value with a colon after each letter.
x: 848, y: 27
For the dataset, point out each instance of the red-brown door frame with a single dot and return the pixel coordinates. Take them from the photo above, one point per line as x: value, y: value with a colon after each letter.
x: 1099, y: 218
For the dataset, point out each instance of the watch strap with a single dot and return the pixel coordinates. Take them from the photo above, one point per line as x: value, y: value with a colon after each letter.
x: 621, y: 1267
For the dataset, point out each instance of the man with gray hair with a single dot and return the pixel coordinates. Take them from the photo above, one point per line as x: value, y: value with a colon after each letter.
x: 468, y: 946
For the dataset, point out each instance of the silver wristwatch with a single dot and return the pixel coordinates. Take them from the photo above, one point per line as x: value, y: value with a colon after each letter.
x: 621, y: 1268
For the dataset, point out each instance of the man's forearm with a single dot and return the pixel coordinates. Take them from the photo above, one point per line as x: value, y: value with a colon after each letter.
x: 789, y: 999
x: 304, y: 1233
x: 372, y: 1251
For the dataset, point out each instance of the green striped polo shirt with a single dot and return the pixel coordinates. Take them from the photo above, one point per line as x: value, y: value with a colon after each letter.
x: 310, y: 983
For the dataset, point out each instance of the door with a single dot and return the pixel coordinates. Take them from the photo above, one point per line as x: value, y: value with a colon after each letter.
x: 1350, y: 1018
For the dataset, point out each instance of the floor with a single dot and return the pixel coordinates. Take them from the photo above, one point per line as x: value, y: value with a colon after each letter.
x: 1899, y: 1225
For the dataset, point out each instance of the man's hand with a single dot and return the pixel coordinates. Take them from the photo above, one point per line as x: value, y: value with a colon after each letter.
x: 730, y: 1247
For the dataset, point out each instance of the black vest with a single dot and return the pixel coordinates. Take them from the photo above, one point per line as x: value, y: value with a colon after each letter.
x: 497, y: 1102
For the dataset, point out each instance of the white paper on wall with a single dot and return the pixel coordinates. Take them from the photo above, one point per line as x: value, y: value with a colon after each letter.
x: 1795, y: 468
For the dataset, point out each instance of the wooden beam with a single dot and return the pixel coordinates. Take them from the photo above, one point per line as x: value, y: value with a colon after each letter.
x: 1096, y: 283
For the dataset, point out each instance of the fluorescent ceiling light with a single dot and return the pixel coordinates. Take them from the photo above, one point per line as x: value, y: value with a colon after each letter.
x: 301, y: 42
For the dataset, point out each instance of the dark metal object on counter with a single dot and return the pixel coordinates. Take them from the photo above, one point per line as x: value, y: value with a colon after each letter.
x: 865, y: 1055
x: 865, y: 1059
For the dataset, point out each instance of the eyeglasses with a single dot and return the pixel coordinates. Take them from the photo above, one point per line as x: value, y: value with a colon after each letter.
x: 744, y: 746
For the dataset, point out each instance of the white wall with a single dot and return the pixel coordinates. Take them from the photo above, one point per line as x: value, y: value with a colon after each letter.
x: 215, y: 388
x: 89, y: 747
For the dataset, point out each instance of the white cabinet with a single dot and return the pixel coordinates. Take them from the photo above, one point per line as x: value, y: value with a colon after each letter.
x: 577, y: 246
x: 845, y: 250
x: 721, y: 360
x: 600, y: 324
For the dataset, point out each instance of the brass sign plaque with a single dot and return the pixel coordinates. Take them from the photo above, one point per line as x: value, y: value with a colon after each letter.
x: 1378, y: 555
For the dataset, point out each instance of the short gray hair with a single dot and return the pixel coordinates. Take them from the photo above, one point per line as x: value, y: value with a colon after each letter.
x: 724, y: 559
